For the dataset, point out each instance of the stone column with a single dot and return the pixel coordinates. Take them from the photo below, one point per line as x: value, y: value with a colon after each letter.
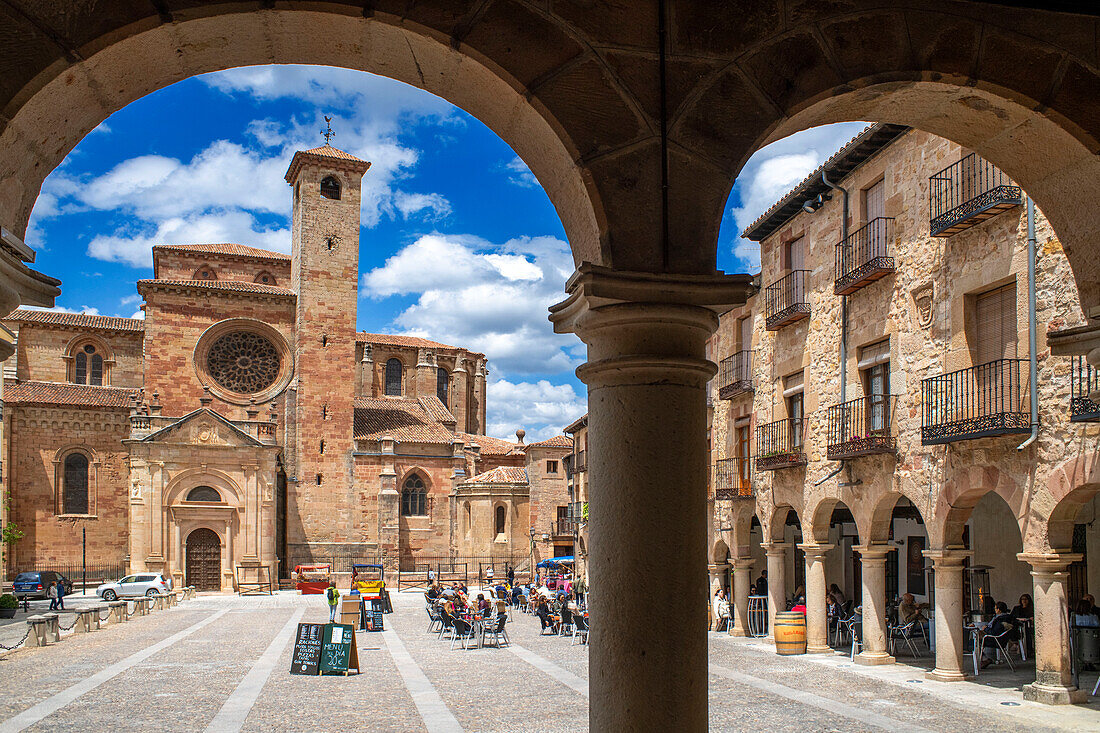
x: 459, y: 388
x: 647, y: 459
x: 817, y: 618
x: 873, y: 560
x: 776, y: 553
x: 389, y: 508
x: 717, y: 573
x: 950, y: 635
x: 742, y: 579
x: 1053, y: 683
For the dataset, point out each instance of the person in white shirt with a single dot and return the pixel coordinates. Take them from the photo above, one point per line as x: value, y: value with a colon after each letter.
x: 721, y: 609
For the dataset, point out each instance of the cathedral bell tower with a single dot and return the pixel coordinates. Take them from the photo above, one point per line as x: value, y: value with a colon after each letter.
x: 324, y: 275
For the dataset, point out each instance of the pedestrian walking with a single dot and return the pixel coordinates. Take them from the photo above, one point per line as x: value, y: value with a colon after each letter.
x: 60, y: 595
x: 333, y: 597
x: 511, y: 577
x: 489, y: 574
x: 431, y: 576
x: 51, y: 593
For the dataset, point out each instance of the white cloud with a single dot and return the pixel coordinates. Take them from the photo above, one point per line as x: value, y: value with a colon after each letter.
x: 774, y: 170
x: 139, y: 315
x: 431, y: 206
x: 130, y: 300
x: 85, y: 309
x: 519, y: 174
x: 540, y: 408
x: 135, y: 248
x: 487, y: 297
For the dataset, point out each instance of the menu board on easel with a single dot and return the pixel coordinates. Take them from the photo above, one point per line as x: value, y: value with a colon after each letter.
x: 338, y: 650
x: 307, y: 649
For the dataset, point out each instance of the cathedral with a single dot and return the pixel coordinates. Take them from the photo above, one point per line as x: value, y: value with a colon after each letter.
x: 244, y: 426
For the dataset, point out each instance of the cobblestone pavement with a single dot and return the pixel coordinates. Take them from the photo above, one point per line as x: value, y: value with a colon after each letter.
x: 221, y: 663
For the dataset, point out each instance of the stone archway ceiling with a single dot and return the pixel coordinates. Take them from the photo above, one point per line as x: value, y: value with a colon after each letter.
x: 735, y: 72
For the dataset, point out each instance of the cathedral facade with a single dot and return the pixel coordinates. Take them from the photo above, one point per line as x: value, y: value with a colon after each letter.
x: 244, y: 426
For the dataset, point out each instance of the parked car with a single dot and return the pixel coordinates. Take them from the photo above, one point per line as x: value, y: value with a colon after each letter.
x: 145, y: 584
x: 35, y: 584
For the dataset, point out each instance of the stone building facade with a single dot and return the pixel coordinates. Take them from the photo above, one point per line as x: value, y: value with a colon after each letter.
x: 244, y: 426
x: 914, y: 468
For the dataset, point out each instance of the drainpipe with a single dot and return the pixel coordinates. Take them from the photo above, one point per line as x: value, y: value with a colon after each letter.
x: 843, y: 298
x: 1033, y: 364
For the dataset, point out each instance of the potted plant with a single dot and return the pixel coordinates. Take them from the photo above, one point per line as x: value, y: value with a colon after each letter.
x: 8, y: 604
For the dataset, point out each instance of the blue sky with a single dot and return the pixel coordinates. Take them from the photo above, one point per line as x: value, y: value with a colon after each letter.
x: 459, y: 243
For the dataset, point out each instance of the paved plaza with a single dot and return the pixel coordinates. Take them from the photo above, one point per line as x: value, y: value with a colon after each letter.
x: 221, y: 663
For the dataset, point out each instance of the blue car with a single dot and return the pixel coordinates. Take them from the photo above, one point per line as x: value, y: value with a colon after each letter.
x: 36, y: 584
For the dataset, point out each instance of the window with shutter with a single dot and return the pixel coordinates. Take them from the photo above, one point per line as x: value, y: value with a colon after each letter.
x: 746, y: 333
x: 875, y: 200
x: 796, y: 254
x: 995, y: 325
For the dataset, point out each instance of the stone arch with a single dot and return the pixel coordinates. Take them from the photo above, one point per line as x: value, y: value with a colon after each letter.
x: 820, y: 519
x: 961, y: 494
x: 180, y: 485
x: 741, y: 528
x: 102, y: 349
x: 1072, y: 485
x: 719, y: 552
x: 774, y: 529
x: 882, y: 514
x: 91, y: 478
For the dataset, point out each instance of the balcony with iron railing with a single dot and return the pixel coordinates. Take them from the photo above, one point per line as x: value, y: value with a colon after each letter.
x: 735, y: 375
x: 580, y: 461
x: 781, y: 444
x: 564, y: 527
x: 862, y: 427
x: 864, y: 256
x: 976, y: 402
x: 786, y: 301
x: 968, y: 192
x: 733, y: 479
x: 1084, y: 389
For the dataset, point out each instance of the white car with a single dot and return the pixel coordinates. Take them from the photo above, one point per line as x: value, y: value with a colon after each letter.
x: 149, y: 584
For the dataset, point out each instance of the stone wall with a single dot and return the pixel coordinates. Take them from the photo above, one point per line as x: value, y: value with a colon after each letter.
x: 41, y: 353
x: 182, y: 265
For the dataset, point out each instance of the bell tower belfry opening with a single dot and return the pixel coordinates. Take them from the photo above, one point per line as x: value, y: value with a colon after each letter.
x: 326, y: 183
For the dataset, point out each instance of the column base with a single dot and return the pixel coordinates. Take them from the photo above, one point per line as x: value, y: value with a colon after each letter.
x: 738, y: 632
x: 871, y: 659
x: 948, y: 675
x: 826, y: 649
x: 1054, y: 694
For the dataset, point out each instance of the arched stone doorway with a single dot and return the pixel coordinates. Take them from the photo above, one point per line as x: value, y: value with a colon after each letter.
x: 204, y: 559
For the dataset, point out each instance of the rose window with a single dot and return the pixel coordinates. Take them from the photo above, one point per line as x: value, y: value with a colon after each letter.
x: 243, y: 362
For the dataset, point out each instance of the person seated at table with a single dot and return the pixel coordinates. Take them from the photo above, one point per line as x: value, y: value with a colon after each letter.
x: 837, y: 594
x: 542, y: 610
x: 909, y: 610
x: 1084, y: 615
x: 1001, y: 622
x: 483, y: 606
x: 573, y: 604
x: 833, y: 611
x: 463, y: 589
x: 433, y: 591
x: 1092, y: 602
x: 1025, y: 608
x: 721, y: 609
x: 799, y: 604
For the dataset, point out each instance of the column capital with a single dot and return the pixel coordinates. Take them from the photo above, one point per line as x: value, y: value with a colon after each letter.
x: 947, y: 558
x: 1049, y: 562
x: 815, y: 551
x: 874, y: 552
x: 773, y: 549
x: 742, y: 563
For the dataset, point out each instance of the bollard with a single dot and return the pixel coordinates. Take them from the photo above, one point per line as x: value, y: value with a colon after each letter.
x: 118, y: 611
x: 99, y: 619
x: 37, y: 637
x: 53, y: 627
x: 146, y: 605
x: 84, y: 622
x: 173, y: 598
x: 158, y: 601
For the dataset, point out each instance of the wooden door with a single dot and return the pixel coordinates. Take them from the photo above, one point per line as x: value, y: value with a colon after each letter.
x: 204, y: 560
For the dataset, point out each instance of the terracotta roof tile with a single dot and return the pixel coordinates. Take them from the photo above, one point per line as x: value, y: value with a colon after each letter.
x: 558, y: 441
x: 434, y: 407
x: 59, y: 393
x: 235, y: 250
x: 500, y: 475
x: 223, y: 285
x: 399, y: 340
x: 404, y: 420
x: 76, y: 320
x: 492, y: 446
x: 327, y: 151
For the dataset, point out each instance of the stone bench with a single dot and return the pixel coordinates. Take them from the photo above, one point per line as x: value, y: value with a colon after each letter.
x: 119, y: 611
x: 87, y: 620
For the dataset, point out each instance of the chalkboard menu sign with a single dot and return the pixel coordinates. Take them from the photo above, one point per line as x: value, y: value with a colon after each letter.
x: 376, y: 619
x: 307, y: 649
x: 338, y: 651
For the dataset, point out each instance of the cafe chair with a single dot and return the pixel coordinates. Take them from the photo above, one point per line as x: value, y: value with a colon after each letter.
x: 580, y: 628
x: 433, y: 618
x: 565, y: 628
x: 494, y: 628
x: 853, y: 625
x: 907, y: 633
x: 446, y: 623
x: 463, y: 630
x: 1000, y: 643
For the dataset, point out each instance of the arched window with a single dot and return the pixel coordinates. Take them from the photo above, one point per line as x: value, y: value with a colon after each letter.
x: 414, y: 497
x: 206, y: 272
x: 393, y: 377
x: 204, y: 493
x: 266, y: 278
x: 88, y: 365
x: 442, y: 380
x: 330, y: 188
x: 74, y: 496
x: 500, y: 514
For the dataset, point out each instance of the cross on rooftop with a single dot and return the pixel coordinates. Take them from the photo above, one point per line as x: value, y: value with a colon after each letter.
x: 327, y: 133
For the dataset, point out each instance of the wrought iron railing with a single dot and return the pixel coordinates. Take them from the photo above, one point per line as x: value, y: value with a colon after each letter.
x: 861, y: 427
x: 781, y: 444
x: 976, y: 402
x: 785, y: 301
x: 580, y: 461
x: 733, y: 478
x: 864, y: 256
x: 1084, y: 381
x: 967, y: 192
x: 735, y: 375
x: 563, y: 527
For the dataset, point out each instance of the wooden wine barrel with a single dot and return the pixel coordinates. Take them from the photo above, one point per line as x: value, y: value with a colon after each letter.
x: 790, y: 633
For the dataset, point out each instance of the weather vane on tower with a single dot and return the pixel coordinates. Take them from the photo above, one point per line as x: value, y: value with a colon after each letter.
x: 327, y: 133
